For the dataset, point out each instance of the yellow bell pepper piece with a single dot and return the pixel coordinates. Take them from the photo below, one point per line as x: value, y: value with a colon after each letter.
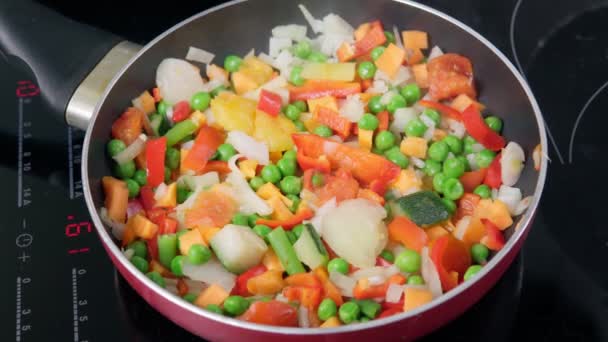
x: 267, y: 283
x: 325, y: 101
x: 233, y: 112
x: 406, y: 181
x: 190, y: 238
x: 275, y: 156
x: 366, y: 139
x: 329, y: 71
x: 256, y: 70
x: 331, y: 323
x: 271, y: 261
x: 414, y: 147
x: 274, y: 131
x: 142, y: 227
x: 415, y: 297
x: 248, y: 167
x: 495, y: 211
x: 269, y: 190
x: 242, y: 83
x: 421, y: 75
x: 281, y: 212
x: 169, y: 200
x: 214, y: 294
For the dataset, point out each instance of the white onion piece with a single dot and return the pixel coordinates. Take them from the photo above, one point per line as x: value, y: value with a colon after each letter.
x: 294, y: 32
x: 402, y: 76
x: 117, y: 228
x: 276, y: 85
x: 199, y: 55
x: 317, y: 220
x: 196, y: 183
x: 511, y: 163
x: 211, y: 85
x: 376, y: 271
x: 391, y: 270
x: 376, y: 280
x: 394, y: 293
x: 188, y: 145
x: 276, y: 45
x: 461, y: 227
x: 382, y: 76
x: 401, y: 118
x: 344, y: 283
x: 419, y: 163
x: 522, y: 206
x: 250, y: 54
x: 331, y: 42
x: 303, y: 320
x: 249, y: 147
x: 315, y: 24
x: 284, y: 61
x: 494, y: 194
x: 429, y: 273
x: 178, y: 80
x: 509, y: 196
x: 398, y: 40
x: 266, y: 59
x: 281, y: 298
x: 334, y: 24
x: 128, y: 253
x: 161, y: 191
x: 435, y: 52
x: 386, y: 98
x: 477, y: 147
x: 537, y: 157
x: 209, y: 115
x: 378, y: 87
x: 472, y: 161
x: 238, y: 247
x: 249, y: 201
x: 211, y: 272
x: 132, y: 151
x: 456, y: 128
x: 352, y: 108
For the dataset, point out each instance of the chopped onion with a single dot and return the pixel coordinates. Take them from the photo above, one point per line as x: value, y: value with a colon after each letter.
x: 378, y: 87
x: 284, y: 62
x: 211, y: 272
x: 132, y: 151
x: 344, y: 283
x: 387, y: 97
x: 494, y: 194
x: 196, y: 183
x: 336, y: 25
x: 250, y: 54
x: 117, y: 228
x: 134, y: 207
x: 382, y: 76
x: 293, y: 32
x: 303, y: 320
x: 266, y: 59
x: 199, y: 55
x: 427, y: 121
x: 331, y: 42
x: 315, y: 24
x: 398, y: 40
x: 277, y: 85
x: 169, y: 114
x: 395, y: 248
x: 249, y: 147
x: 429, y: 273
x: 461, y: 227
x: 249, y: 201
x: 209, y: 115
x: 401, y: 118
x: 456, y: 128
x: 537, y: 157
x: 376, y: 280
x: 188, y: 145
x: 128, y: 253
x: 213, y: 84
x: 394, y: 293
x: 281, y: 298
x: 477, y: 147
x: 352, y: 108
x: 511, y: 163
x: 402, y: 76
x: 317, y: 220
x: 419, y: 163
x: 522, y: 206
x: 178, y: 80
x: 161, y: 191
x: 509, y: 196
x: 435, y: 52
x: 375, y: 271
x: 276, y: 45
x: 471, y: 158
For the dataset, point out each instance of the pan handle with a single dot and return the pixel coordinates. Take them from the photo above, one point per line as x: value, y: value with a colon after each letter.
x: 61, y: 53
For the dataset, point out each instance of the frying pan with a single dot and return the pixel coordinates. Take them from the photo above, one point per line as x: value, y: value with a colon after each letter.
x: 91, y: 76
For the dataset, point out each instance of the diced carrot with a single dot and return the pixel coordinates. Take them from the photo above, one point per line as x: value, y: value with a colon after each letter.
x: 332, y: 322
x: 390, y: 61
x: 326, y: 101
x: 414, y: 147
x: 471, y: 179
x: 383, y: 121
x: 414, y: 56
x: 271, y: 261
x: 362, y: 30
x: 156, y: 266
x: 345, y: 52
x: 365, y: 97
x: 280, y: 212
x: 248, y: 167
x: 472, y: 233
x: 145, y: 102
x: 214, y: 294
x: 191, y: 237
x: 365, y: 138
x: 421, y: 75
x: 269, y: 190
x: 462, y: 101
x: 212, y: 209
x: 142, y: 227
x: 156, y: 94
x: 439, y: 134
x: 218, y: 166
x: 415, y: 40
x: 169, y: 200
x: 403, y: 230
x: 267, y: 283
x: 333, y: 120
x: 116, y: 198
x: 128, y: 126
x: 414, y: 298
x: 435, y: 232
x: 303, y: 279
x: 208, y: 233
x: 406, y: 181
x: 370, y: 195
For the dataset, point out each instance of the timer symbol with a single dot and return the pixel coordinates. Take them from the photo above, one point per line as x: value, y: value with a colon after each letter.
x: 24, y: 240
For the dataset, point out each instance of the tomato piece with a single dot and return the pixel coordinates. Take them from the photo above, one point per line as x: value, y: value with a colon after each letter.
x: 147, y: 197
x: 128, y: 126
x: 272, y: 313
x: 240, y: 288
x: 451, y: 258
x: 493, y: 177
x: 470, y: 180
x: 403, y: 230
x: 380, y: 261
x: 398, y: 305
x: 450, y: 75
x: 390, y: 312
x: 291, y: 222
x: 211, y: 208
x: 478, y: 129
x: 218, y: 166
x: 182, y: 287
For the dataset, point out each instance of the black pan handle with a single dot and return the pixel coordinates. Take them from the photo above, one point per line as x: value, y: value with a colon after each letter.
x: 61, y: 52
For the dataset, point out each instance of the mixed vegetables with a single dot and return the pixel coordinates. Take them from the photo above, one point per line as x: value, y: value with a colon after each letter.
x: 335, y: 180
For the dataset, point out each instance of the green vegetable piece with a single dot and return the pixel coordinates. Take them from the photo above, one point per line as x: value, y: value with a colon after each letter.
x: 411, y: 93
x: 115, y: 146
x: 449, y: 204
x: 317, y: 180
x: 125, y: 170
x: 214, y: 308
x: 287, y: 166
x: 471, y: 272
x: 318, y: 57
x: 390, y: 37
x: 433, y: 115
x: 310, y: 248
x: 375, y: 104
x: 370, y: 308
x: 256, y: 183
x: 140, y: 263
x: 292, y: 112
x: 483, y: 191
x: 295, y: 202
x: 300, y: 127
x: 200, y: 101
x: 225, y: 152
x: 468, y: 144
x: 323, y: 131
x: 157, y: 278
x: 215, y: 92
x: 495, y: 123
x: 240, y: 219
x: 236, y: 305
x: 425, y: 208
x: 431, y: 167
x: 349, y: 312
x: 377, y: 52
x: 453, y: 167
x: 396, y: 102
x: 408, y: 261
x: 438, y: 151
x: 415, y: 128
x: 140, y: 177
x: 232, y: 63
x: 178, y: 132
x: 327, y: 309
x: 384, y: 140
x: 395, y: 155
x: 262, y: 230
x: 295, y: 77
x: 388, y: 256
x: 252, y: 219
x: 167, y: 175
x: 191, y: 297
x: 177, y: 264
x: 480, y: 253
x: 297, y: 230
x: 453, y: 189
x: 291, y: 236
x: 271, y: 173
x: 438, y: 182
x: 291, y: 185
x: 484, y: 158
x: 172, y: 158
x: 183, y: 194
x: 465, y: 162
x: 368, y: 122
x: 301, y: 105
x: 133, y: 188
x: 282, y: 247
x: 366, y: 70
x: 198, y: 254
x: 290, y: 155
x: 454, y: 144
x: 167, y: 249
x: 161, y: 107
x: 302, y: 50
x: 337, y: 265
x: 415, y: 280
x: 139, y: 248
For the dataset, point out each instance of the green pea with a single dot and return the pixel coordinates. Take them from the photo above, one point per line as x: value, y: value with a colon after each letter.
x: 377, y: 52
x: 368, y: 122
x: 389, y: 210
x: 302, y: 50
x: 327, y: 309
x: 271, y: 173
x: 415, y: 280
x: 375, y: 104
x: 252, y: 219
x: 449, y: 205
x: 366, y: 70
x: 215, y: 92
x: 483, y: 191
x: 172, y: 158
x: 323, y: 131
x: 290, y: 155
x: 295, y: 77
x: 262, y: 230
x: 176, y: 265
x: 139, y: 248
x: 337, y: 265
x: 438, y: 181
x: 396, y: 102
x: 226, y: 151
x: 161, y: 107
x: 232, y: 63
x: 133, y: 188
x: 236, y: 305
x: 167, y: 175
x: 291, y: 185
x: 292, y: 112
x: 140, y: 263
x: 387, y: 255
x: 256, y: 183
x: 318, y: 57
x: 411, y: 93
x: 190, y: 297
x: 297, y: 230
x: 384, y: 140
x: 198, y: 254
x: 454, y: 144
x: 431, y: 167
x: 471, y: 272
x: 453, y: 189
x: 140, y: 177
x: 438, y: 151
x: 183, y: 194
x: 200, y: 101
x: 240, y: 219
x: 301, y: 105
x: 214, y: 308
x: 300, y: 127
x: 453, y: 167
x: 415, y: 128
x: 408, y: 261
x: 468, y: 144
x: 433, y: 115
x: 480, y: 253
x: 115, y: 146
x: 395, y: 155
x: 317, y: 180
x: 157, y: 278
x: 288, y: 167
x: 369, y: 308
x: 484, y: 158
x: 125, y: 170
x: 390, y: 37
x: 349, y: 312
x: 465, y: 162
x: 495, y: 123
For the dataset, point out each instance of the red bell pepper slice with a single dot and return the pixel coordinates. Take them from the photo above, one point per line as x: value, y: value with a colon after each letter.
x: 206, y: 143
x: 270, y: 103
x: 377, y: 291
x: 218, y: 166
x: 470, y: 180
x: 332, y: 119
x: 451, y: 258
x: 157, y: 215
x: 240, y: 288
x: 309, y: 297
x: 152, y: 246
x: 493, y: 177
x: 271, y: 313
x: 374, y: 37
x: 155, y: 160
x: 443, y: 109
x: 313, y: 89
x: 147, y: 197
x: 479, y: 130
x: 494, y: 239
x: 304, y: 279
x: 288, y: 224
x: 168, y: 226
x: 321, y: 163
x: 390, y: 312
x: 363, y: 165
x: 399, y: 305
x: 383, y: 121
x: 406, y: 232
x: 181, y: 111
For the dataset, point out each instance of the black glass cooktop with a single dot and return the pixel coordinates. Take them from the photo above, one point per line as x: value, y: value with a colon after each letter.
x: 61, y: 285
